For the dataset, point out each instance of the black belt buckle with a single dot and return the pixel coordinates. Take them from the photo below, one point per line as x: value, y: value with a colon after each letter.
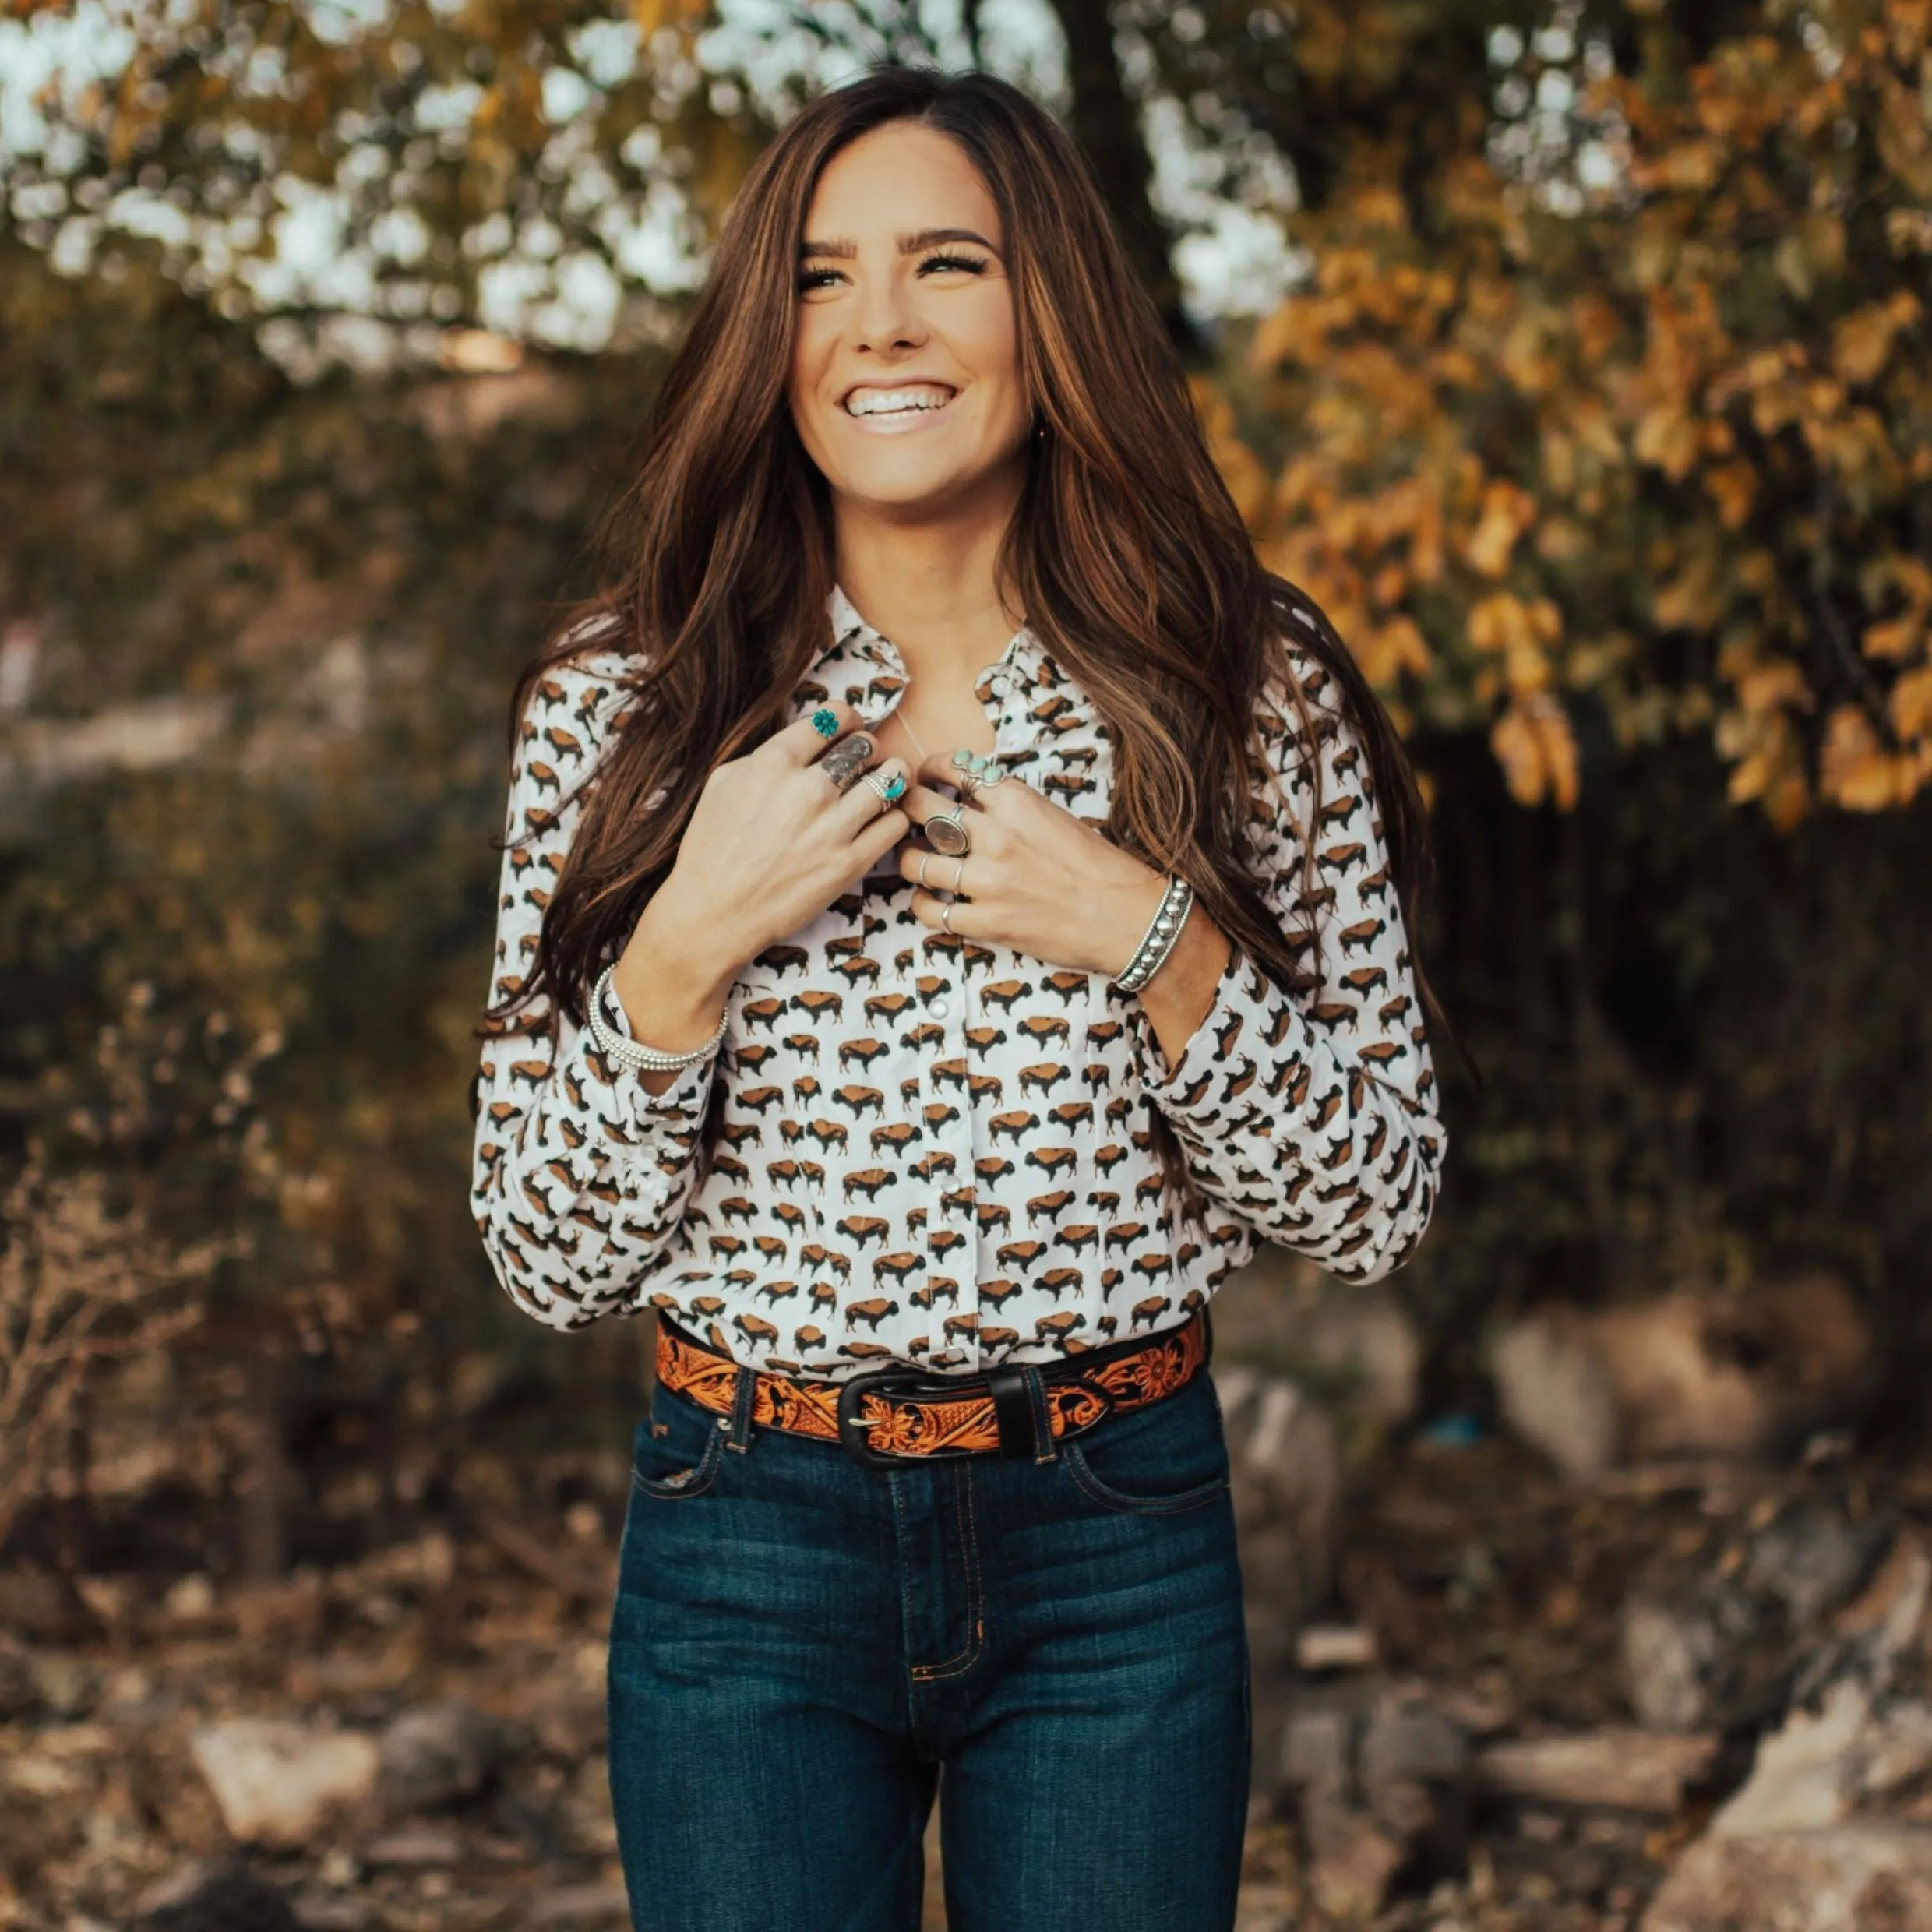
x: 853, y: 1431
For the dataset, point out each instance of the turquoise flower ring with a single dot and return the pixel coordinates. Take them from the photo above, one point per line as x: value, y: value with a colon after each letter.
x: 825, y: 721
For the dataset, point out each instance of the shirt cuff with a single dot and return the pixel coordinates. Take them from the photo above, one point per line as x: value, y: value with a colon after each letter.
x: 1245, y: 1000
x: 683, y: 1100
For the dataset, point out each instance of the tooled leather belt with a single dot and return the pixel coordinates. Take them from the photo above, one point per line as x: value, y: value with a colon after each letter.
x: 898, y: 1412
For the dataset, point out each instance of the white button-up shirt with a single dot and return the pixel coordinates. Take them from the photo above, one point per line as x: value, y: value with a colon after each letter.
x: 935, y: 1150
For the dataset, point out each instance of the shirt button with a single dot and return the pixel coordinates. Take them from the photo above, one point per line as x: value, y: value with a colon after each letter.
x: 940, y: 1007
x: 1000, y: 683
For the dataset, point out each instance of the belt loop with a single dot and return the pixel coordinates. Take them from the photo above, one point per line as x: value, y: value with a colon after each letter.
x: 1015, y: 1407
x: 743, y: 1393
x: 1046, y: 1444
x: 1207, y: 1336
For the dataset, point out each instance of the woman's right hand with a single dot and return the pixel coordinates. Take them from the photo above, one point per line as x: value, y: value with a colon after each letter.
x: 771, y: 842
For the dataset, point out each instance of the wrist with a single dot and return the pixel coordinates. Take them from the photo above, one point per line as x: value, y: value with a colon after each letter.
x: 672, y: 978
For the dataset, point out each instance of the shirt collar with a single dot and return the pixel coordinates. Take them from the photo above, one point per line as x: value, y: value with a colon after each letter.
x: 1023, y: 653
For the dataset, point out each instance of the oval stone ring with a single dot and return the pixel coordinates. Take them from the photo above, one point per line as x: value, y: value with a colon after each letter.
x: 946, y: 832
x: 888, y: 789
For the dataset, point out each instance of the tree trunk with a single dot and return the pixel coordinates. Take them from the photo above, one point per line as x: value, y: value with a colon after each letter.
x: 1107, y: 125
x: 265, y: 1482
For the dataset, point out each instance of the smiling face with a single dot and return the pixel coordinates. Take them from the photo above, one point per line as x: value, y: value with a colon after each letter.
x: 903, y: 298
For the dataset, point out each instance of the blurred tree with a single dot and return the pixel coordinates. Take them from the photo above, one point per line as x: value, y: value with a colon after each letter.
x: 1616, y: 392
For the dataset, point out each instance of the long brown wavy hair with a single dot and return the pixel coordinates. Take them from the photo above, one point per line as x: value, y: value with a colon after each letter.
x: 1126, y: 552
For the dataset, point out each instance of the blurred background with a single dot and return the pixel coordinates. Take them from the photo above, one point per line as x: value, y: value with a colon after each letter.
x: 1573, y: 354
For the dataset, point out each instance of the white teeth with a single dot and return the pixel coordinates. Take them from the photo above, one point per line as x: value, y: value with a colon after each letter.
x: 879, y: 401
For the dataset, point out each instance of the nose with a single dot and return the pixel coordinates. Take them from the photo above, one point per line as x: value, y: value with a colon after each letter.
x: 885, y: 316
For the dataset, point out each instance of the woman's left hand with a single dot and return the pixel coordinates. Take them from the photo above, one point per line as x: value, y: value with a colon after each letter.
x: 1037, y: 879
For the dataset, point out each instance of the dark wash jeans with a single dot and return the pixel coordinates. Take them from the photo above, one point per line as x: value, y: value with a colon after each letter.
x: 799, y: 1643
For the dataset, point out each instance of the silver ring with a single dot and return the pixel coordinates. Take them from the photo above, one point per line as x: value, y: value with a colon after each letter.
x: 925, y: 859
x: 959, y: 873
x: 946, y: 916
x: 946, y: 832
x: 846, y: 759
x: 879, y: 785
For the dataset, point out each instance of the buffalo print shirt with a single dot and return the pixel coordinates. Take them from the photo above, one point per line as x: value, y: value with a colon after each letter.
x: 934, y: 1150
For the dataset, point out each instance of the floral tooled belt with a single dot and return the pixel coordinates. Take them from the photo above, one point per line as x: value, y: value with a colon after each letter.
x: 898, y: 1412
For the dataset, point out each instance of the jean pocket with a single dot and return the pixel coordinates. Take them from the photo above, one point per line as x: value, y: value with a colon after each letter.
x: 1168, y: 1457
x: 682, y: 1462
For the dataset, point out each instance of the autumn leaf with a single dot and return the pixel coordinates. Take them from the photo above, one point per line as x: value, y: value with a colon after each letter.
x: 1855, y: 770
x: 1508, y: 511
x: 1533, y: 743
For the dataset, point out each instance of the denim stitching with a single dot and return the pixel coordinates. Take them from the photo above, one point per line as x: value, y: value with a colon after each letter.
x: 975, y: 1613
x: 704, y: 1473
x: 1125, y: 1505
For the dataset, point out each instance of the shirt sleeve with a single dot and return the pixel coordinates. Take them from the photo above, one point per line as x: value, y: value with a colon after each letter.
x: 1312, y: 1116
x: 580, y: 1173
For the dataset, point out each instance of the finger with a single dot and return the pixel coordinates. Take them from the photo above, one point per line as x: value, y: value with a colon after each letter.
x: 835, y: 770
x: 938, y: 768
x: 921, y: 802
x: 860, y: 803
x: 878, y: 838
x: 933, y: 871
x: 803, y: 740
x: 930, y: 910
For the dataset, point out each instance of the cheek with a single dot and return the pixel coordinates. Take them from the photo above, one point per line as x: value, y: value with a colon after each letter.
x: 801, y: 380
x: 991, y: 348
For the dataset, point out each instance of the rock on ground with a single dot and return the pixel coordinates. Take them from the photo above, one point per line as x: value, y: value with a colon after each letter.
x: 276, y: 1782
x: 436, y: 1756
x: 1853, y: 1878
x: 1683, y: 1374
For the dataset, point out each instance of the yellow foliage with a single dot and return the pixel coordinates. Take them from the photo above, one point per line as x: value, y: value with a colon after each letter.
x: 1508, y: 511
x: 1533, y: 743
x: 1386, y: 651
x: 1892, y: 640
x: 1910, y: 704
x: 1769, y: 766
x: 1691, y: 450
x: 1667, y: 439
x: 651, y: 14
x: 1778, y: 682
x: 1733, y: 487
x: 1855, y: 770
x: 1690, y: 600
x: 1861, y: 342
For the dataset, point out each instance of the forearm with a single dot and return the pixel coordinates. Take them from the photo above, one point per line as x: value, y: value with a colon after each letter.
x: 672, y: 980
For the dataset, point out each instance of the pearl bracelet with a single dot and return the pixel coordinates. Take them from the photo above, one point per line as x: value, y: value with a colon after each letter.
x: 630, y: 1053
x: 1158, y: 941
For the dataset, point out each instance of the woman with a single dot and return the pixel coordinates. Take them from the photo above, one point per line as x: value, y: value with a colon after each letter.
x: 952, y: 910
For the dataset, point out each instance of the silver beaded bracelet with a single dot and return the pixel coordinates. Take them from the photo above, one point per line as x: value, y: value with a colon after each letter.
x: 1158, y: 939
x: 630, y: 1053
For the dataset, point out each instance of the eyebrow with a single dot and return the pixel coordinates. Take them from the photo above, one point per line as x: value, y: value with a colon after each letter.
x: 842, y: 250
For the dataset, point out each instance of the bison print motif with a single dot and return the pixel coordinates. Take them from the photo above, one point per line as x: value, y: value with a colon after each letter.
x: 936, y: 1150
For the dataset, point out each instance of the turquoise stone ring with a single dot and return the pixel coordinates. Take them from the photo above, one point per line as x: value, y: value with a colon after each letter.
x: 825, y: 721
x: 979, y: 768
